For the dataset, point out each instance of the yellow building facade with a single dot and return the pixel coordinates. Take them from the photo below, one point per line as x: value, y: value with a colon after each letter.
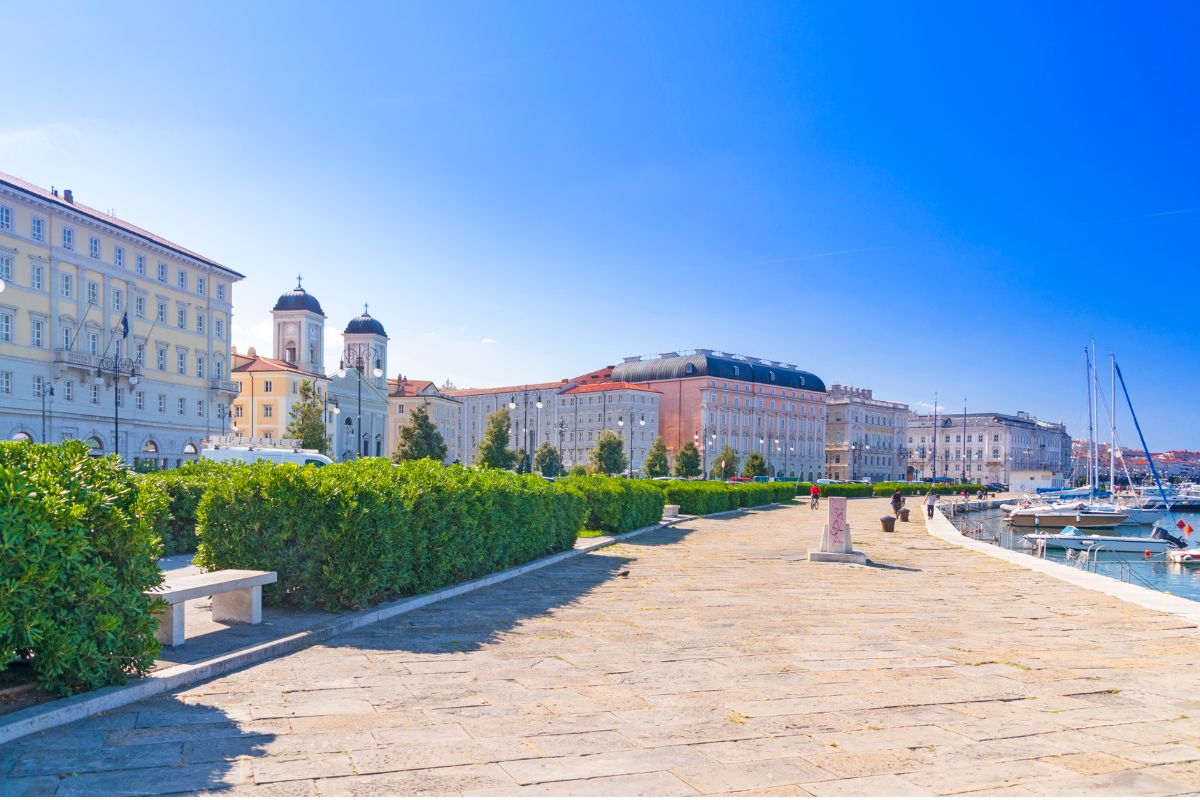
x: 405, y: 395
x: 268, y: 389
x: 73, y: 278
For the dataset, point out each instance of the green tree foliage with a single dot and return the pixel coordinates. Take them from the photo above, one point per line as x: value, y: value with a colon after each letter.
x: 615, y: 505
x: 547, y: 460
x: 608, y: 456
x: 578, y: 471
x: 687, y: 463
x: 656, y: 464
x: 420, y: 438
x: 306, y: 420
x: 77, y: 553
x: 725, y: 466
x: 755, y: 465
x: 493, y: 448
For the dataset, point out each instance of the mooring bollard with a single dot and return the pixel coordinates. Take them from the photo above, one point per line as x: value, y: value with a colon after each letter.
x: 904, y: 515
x: 889, y: 523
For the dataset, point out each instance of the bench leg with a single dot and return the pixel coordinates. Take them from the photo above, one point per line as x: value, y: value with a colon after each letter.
x: 170, y: 625
x: 240, y: 605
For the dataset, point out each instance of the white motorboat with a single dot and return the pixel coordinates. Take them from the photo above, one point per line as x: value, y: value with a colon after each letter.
x: 1071, y: 538
x: 1079, y: 515
x: 1189, y: 558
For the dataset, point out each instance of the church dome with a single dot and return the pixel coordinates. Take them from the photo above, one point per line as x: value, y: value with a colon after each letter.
x: 365, y: 323
x: 298, y: 300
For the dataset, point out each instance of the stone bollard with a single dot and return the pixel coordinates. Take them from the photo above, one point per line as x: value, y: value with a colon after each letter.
x: 670, y: 511
x: 904, y: 515
x: 889, y: 523
x: 835, y: 539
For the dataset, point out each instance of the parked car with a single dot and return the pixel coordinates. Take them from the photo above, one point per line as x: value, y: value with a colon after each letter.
x: 761, y: 479
x: 996, y: 487
x: 738, y: 479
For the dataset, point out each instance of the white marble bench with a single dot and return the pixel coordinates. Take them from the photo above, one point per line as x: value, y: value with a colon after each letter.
x: 236, y: 594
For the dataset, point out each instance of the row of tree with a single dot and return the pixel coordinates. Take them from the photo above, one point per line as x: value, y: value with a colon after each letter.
x: 420, y: 438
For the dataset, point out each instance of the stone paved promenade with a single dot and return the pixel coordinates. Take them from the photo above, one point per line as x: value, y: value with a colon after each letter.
x: 702, y: 659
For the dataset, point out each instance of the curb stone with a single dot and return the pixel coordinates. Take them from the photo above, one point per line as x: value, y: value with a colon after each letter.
x: 72, y: 709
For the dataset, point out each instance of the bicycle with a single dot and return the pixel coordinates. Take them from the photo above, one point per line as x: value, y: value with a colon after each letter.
x: 814, y: 501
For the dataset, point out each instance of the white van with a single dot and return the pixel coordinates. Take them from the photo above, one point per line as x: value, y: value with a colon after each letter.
x: 246, y: 450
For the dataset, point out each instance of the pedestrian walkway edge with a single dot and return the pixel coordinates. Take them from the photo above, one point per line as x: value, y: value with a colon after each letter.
x: 72, y: 709
x: 1189, y: 610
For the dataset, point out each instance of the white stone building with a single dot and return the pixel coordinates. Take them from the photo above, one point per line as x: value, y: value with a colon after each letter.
x: 865, y: 438
x: 358, y: 391
x: 991, y: 448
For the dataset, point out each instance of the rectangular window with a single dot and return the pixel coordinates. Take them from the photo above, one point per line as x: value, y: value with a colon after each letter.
x: 35, y: 276
x: 93, y: 293
x: 67, y: 286
x: 199, y: 366
x: 220, y: 291
x: 68, y: 390
x: 199, y: 408
x: 200, y: 286
x: 6, y: 326
x: 162, y: 358
x: 237, y: 411
x: 5, y: 382
x: 268, y: 410
x: 66, y: 337
x: 37, y: 331
x: 220, y: 329
x: 94, y: 395
x: 141, y: 265
x: 118, y: 299
x: 68, y: 239
x: 119, y: 256
x: 140, y: 401
x: 141, y: 353
x: 93, y: 344
x: 120, y: 394
x: 6, y: 218
x: 182, y: 279
x: 182, y: 317
x: 162, y: 404
x: 181, y: 362
x: 6, y: 268
x: 181, y: 406
x: 93, y: 247
x: 199, y: 322
x: 266, y: 386
x: 139, y: 305
x: 37, y: 229
x: 162, y: 312
x: 162, y: 272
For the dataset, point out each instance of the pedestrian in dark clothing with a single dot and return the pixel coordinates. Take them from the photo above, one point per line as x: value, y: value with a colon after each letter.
x: 897, y: 501
x: 930, y: 499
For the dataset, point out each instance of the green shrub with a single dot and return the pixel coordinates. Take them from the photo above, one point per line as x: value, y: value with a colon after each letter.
x: 944, y: 489
x: 183, y: 486
x: 77, y: 551
x: 350, y: 535
x: 617, y: 505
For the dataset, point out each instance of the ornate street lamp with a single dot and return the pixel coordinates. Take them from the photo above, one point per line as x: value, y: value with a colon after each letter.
x: 117, y: 367
x: 358, y: 355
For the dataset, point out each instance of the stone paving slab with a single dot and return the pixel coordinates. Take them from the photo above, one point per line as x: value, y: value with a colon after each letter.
x: 721, y: 664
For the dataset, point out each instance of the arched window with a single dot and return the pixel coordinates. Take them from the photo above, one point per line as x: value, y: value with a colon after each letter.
x: 95, y: 444
x: 189, y: 449
x: 150, y: 446
x: 22, y: 436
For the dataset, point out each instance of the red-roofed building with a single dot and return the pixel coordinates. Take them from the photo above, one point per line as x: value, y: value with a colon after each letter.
x: 267, y: 390
x: 406, y: 394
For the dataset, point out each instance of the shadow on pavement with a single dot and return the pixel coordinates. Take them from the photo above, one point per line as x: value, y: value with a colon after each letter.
x: 882, y: 565
x: 155, y: 747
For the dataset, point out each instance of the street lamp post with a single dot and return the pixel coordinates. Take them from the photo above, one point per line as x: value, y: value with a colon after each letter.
x: 621, y: 424
x: 537, y: 430
x: 117, y: 367
x: 224, y: 412
x: 47, y: 390
x: 356, y: 355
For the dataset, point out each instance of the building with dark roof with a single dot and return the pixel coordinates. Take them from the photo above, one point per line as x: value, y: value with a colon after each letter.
x: 716, y: 399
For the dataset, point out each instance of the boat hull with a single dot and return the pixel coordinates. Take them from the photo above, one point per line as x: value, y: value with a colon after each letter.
x: 1061, y: 519
x: 1116, y: 544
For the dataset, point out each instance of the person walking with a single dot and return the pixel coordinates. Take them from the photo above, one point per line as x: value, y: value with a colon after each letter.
x: 930, y: 499
x: 897, y: 501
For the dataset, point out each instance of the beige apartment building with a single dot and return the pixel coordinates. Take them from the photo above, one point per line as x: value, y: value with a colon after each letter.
x: 865, y: 438
x: 406, y: 394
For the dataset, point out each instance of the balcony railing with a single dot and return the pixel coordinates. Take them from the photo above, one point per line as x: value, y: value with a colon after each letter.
x: 218, y: 385
x: 69, y: 358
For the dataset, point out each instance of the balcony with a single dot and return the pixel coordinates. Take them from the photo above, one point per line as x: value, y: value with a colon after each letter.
x: 218, y: 385
x: 70, y: 358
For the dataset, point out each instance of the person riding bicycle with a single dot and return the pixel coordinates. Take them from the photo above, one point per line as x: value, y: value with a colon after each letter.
x: 814, y: 495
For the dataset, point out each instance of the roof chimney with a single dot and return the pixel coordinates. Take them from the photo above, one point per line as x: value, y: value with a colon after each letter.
x: 68, y: 196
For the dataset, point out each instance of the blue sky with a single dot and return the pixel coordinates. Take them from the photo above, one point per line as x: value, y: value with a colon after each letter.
x: 915, y: 198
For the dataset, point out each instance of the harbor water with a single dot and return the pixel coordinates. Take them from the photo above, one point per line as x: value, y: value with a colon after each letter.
x: 1153, y: 571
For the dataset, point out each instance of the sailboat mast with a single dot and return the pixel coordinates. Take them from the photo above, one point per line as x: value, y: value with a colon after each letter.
x: 1095, y: 420
x: 1091, y: 459
x: 966, y: 456
x: 1112, y: 438
x: 933, y: 472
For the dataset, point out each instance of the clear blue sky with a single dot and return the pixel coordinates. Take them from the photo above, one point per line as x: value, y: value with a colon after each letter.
x: 949, y: 197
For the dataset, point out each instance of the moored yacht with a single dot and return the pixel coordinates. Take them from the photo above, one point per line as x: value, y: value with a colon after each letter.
x: 1079, y: 515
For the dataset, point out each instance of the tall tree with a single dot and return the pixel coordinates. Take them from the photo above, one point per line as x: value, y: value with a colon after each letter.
x: 687, y: 463
x: 656, y: 459
x: 493, y: 448
x: 546, y: 460
x: 420, y: 438
x: 608, y: 456
x: 726, y: 464
x: 755, y: 465
x: 306, y: 420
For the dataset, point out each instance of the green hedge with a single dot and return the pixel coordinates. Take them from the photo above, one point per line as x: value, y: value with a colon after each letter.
x: 183, y: 487
x: 713, y: 497
x: 77, y: 551
x: 944, y: 489
x: 618, y: 505
x: 349, y: 535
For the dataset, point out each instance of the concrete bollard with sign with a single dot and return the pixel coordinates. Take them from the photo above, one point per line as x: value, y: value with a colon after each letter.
x: 835, y: 539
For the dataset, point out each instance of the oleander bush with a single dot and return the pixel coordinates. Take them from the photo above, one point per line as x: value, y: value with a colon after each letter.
x: 183, y: 487
x: 353, y: 534
x: 885, y: 489
x: 77, y: 551
x: 618, y: 505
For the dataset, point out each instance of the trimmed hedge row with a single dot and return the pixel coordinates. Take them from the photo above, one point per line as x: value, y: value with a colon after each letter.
x: 183, y: 487
x: 886, y: 489
x: 77, y: 551
x: 349, y: 535
x: 618, y: 505
x: 712, y: 497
